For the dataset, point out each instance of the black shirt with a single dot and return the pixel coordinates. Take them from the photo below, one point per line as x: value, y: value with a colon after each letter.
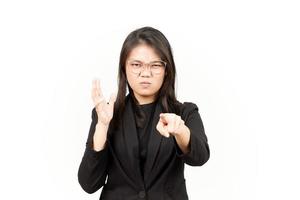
x: 143, y: 119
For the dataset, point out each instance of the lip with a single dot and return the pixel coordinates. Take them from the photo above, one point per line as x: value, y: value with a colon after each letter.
x: 145, y: 82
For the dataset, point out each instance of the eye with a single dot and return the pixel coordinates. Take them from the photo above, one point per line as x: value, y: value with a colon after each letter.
x: 135, y: 65
x: 157, y: 65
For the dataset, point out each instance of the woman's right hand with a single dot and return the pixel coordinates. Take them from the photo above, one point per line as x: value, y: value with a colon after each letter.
x: 104, y: 109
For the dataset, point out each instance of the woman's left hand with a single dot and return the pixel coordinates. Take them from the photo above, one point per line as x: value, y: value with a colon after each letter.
x: 169, y: 123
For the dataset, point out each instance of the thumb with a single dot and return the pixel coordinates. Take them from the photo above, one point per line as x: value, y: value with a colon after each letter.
x: 161, y: 129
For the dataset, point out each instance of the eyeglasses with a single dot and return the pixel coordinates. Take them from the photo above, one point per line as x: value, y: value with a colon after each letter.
x: 156, y: 67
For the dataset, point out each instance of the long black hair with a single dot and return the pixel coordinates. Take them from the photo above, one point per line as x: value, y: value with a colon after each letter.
x: 166, y: 94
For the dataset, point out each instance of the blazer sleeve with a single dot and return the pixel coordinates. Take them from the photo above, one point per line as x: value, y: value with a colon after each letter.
x: 92, y: 170
x: 199, y: 150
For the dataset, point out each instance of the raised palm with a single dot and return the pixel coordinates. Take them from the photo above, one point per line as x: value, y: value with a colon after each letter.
x: 104, y: 109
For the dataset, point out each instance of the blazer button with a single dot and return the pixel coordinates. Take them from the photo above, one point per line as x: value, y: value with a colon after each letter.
x: 142, y: 194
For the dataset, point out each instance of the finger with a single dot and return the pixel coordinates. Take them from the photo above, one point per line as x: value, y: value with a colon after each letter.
x: 112, y: 99
x: 163, y: 117
x: 96, y: 98
x: 177, y: 123
x: 99, y: 91
x: 170, y: 126
x: 93, y: 91
x: 93, y: 85
x: 93, y: 94
x: 161, y: 129
x: 165, y: 131
x: 172, y: 123
x: 96, y: 87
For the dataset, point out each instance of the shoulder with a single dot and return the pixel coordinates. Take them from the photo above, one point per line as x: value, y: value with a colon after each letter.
x: 188, y: 109
x: 189, y: 106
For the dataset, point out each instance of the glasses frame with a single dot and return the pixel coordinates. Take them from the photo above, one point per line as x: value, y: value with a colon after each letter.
x: 146, y: 65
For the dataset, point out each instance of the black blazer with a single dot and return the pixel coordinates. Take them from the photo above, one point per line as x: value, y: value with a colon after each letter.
x: 119, y: 160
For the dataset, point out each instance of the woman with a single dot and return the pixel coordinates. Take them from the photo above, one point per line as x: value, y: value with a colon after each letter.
x: 141, y: 141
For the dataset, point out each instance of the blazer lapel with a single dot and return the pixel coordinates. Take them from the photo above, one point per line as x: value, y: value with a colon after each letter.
x: 154, y: 143
x: 131, y: 141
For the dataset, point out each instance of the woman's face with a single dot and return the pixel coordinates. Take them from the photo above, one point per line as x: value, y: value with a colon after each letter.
x: 144, y: 92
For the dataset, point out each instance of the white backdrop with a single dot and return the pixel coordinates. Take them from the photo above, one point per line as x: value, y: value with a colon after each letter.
x: 240, y: 58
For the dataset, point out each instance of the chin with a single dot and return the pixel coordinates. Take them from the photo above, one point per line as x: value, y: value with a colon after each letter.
x: 145, y: 93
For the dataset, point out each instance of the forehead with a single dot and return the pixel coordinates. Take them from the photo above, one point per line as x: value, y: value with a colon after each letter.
x: 143, y: 52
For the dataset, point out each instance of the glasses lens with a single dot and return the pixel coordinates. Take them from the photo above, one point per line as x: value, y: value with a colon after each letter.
x: 135, y: 66
x: 156, y: 67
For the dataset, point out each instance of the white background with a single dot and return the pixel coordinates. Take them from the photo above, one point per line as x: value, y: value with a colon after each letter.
x: 237, y: 60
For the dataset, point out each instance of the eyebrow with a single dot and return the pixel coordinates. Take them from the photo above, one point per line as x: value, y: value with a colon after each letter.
x: 135, y: 60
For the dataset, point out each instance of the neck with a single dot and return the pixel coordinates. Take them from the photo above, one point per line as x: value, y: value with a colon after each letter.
x: 144, y: 100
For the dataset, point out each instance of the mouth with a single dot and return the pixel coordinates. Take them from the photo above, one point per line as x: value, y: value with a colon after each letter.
x: 145, y: 82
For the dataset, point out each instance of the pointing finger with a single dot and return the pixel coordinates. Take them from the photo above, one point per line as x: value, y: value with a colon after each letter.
x: 161, y: 129
x: 163, y: 117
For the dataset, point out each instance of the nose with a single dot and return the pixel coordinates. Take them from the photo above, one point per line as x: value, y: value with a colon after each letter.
x: 146, y: 71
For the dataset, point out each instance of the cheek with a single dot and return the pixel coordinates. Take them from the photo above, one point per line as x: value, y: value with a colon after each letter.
x: 159, y: 82
x: 132, y: 82
x: 130, y: 79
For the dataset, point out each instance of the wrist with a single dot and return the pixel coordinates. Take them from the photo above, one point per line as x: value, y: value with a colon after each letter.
x: 101, y: 124
x: 101, y: 129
